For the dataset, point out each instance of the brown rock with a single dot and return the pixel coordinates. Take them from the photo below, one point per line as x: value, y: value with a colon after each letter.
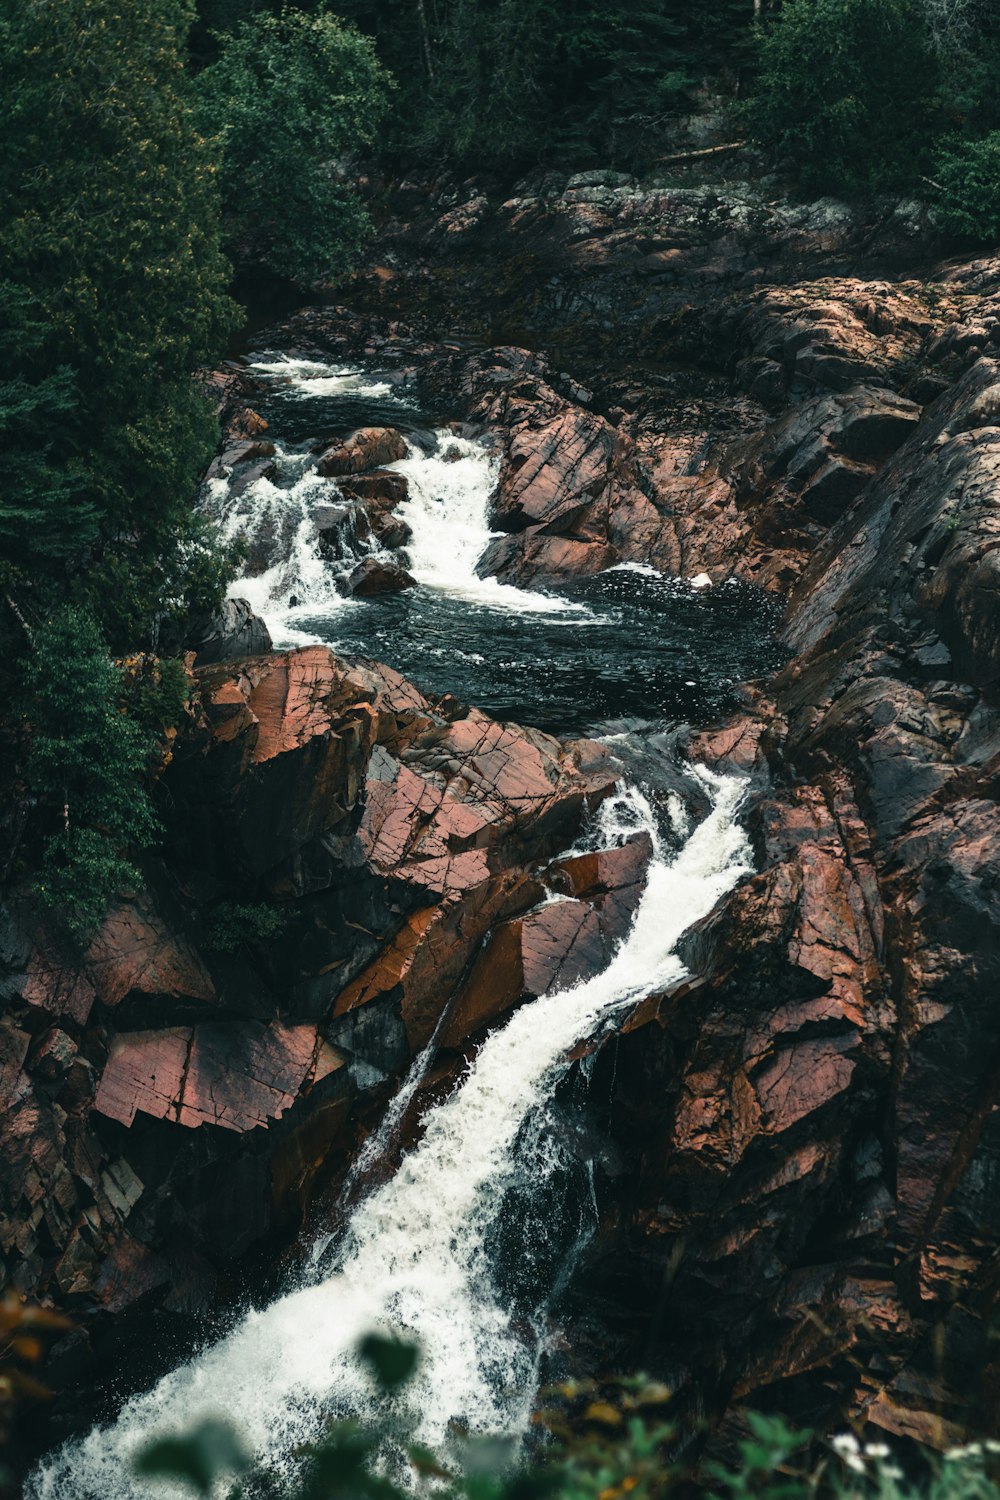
x: 368, y: 448
x: 374, y: 576
x: 381, y: 494
x: 135, y: 953
x: 433, y: 952
x: 237, y: 1075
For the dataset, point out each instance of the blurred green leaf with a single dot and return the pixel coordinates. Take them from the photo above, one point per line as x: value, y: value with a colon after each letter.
x: 198, y: 1459
x: 392, y: 1361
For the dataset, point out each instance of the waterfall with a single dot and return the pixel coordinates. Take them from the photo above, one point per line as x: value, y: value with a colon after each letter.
x: 416, y: 1254
x: 447, y: 509
x: 294, y: 582
x: 276, y: 520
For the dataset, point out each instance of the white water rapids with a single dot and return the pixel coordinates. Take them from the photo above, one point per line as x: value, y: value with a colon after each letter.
x: 447, y: 509
x: 415, y: 1255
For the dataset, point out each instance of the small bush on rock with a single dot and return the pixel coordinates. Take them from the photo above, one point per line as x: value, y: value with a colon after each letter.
x: 232, y: 925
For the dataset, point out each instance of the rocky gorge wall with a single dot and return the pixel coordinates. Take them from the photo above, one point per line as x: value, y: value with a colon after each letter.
x: 803, y: 1212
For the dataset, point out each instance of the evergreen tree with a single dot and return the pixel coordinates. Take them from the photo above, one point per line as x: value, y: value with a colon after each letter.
x: 290, y: 95
x: 112, y: 290
x: 845, y: 91
x: 85, y: 767
x: 508, y: 83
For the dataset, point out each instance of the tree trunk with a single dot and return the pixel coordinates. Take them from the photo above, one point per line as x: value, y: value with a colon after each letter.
x: 425, y: 38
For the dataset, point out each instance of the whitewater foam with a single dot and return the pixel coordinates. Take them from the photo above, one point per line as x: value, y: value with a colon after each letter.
x: 447, y: 509
x: 312, y: 378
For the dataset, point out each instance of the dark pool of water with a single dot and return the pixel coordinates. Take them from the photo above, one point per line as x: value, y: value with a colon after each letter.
x: 648, y: 649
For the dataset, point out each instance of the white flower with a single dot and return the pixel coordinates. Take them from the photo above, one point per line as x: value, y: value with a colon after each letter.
x: 991, y: 1445
x: 890, y: 1471
x: 877, y: 1450
x: 854, y: 1462
x: 844, y: 1443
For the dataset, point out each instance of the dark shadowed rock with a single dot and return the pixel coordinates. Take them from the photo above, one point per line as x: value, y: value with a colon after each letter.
x: 375, y: 575
x: 236, y: 631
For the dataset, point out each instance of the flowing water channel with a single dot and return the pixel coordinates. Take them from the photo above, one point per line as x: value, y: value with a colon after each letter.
x: 429, y: 1251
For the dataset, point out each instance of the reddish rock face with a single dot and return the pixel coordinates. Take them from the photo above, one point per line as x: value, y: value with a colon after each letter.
x: 368, y: 448
x: 820, y: 1191
x: 135, y: 953
x: 236, y: 1077
x: 168, y: 1105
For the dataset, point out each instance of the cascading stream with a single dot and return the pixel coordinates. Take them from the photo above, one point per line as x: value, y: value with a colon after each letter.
x: 623, y: 645
x: 448, y: 511
x: 417, y: 1254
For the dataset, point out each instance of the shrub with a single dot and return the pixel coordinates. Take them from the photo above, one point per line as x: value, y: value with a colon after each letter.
x: 231, y: 925
x: 969, y: 174
x: 86, y: 765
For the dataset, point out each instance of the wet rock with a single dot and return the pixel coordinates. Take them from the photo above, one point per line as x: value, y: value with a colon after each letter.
x: 381, y: 494
x: 241, y: 452
x: 340, y: 531
x: 375, y: 575
x: 368, y: 448
x: 234, y: 632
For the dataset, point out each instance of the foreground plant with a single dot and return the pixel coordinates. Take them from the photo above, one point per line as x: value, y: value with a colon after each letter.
x: 602, y: 1441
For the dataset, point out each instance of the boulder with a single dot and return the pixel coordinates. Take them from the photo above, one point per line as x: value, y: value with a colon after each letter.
x: 368, y: 448
x: 378, y: 575
x: 380, y: 494
x: 234, y: 632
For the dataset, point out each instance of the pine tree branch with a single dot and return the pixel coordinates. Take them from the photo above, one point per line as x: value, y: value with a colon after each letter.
x: 20, y: 619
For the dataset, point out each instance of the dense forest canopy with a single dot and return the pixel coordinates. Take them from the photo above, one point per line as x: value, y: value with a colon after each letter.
x: 146, y: 140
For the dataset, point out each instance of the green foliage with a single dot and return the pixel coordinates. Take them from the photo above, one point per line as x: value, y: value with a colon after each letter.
x: 508, y: 83
x: 80, y: 874
x: 844, y: 89
x: 205, y: 1455
x: 112, y: 290
x: 86, y: 765
x: 969, y: 174
x: 607, y: 1434
x: 231, y: 925
x: 289, y: 96
x: 158, y: 692
x: 763, y: 1455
